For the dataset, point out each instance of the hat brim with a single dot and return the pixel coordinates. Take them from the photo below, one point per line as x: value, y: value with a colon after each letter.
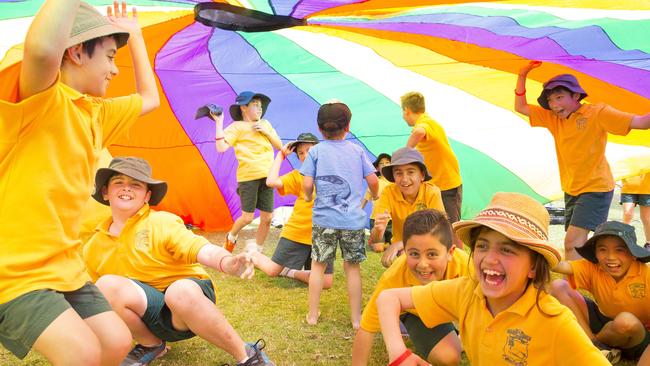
x: 158, y: 188
x: 387, y: 171
x: 545, y: 248
x: 205, y: 111
x: 379, y: 157
x: 121, y: 37
x: 588, y: 250
x: 543, y: 102
x: 235, y: 111
x: 292, y: 144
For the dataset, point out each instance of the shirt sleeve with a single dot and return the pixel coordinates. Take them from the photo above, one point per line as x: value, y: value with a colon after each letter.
x: 581, y: 278
x: 308, y: 167
x: 368, y: 168
x: 614, y: 121
x: 439, y: 301
x: 180, y: 242
x: 538, y: 116
x: 117, y: 115
x: 290, y: 184
x: 231, y: 134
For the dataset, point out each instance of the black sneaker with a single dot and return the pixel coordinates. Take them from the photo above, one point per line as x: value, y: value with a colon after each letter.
x: 141, y: 355
x: 256, y: 357
x: 647, y: 246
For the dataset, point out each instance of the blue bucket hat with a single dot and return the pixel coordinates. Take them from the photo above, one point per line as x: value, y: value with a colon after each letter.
x: 243, y: 99
x: 614, y: 228
x: 566, y: 80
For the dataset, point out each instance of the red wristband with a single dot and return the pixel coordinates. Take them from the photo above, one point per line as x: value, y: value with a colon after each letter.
x: 520, y: 94
x: 221, y: 261
x: 401, y: 358
x: 218, y: 138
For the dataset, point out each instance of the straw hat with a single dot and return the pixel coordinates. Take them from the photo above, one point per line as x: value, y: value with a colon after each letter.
x: 89, y: 24
x: 519, y: 218
x: 135, y: 168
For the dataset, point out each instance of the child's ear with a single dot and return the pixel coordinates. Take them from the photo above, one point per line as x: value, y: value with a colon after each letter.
x: 74, y: 53
x: 147, y: 197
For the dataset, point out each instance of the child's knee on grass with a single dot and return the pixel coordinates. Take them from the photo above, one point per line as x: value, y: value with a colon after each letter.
x: 627, y: 324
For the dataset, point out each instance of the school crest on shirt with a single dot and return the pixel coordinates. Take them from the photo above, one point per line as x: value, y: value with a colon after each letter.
x: 637, y: 290
x: 142, y: 239
x: 515, y: 351
x: 581, y: 123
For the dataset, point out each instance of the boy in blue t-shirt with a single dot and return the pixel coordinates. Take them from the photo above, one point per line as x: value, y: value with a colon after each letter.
x: 337, y: 167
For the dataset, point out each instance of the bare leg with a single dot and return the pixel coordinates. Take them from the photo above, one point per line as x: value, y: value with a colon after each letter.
x: 644, y: 212
x: 625, y: 331
x: 315, y: 288
x: 267, y: 265
x: 263, y: 229
x: 243, y: 220
x: 575, y: 237
x: 191, y: 310
x: 447, y: 351
x: 573, y: 300
x: 114, y: 336
x: 129, y: 301
x: 68, y: 340
x: 628, y: 212
x: 353, y: 278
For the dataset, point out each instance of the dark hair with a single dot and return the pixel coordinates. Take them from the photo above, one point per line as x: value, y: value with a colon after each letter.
x: 431, y: 222
x: 89, y: 46
x: 333, y: 119
x: 541, y: 268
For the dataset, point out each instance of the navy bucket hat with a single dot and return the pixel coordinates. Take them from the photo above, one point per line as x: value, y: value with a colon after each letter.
x: 566, y: 80
x: 243, y: 99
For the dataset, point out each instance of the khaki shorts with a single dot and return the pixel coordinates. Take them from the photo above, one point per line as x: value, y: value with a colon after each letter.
x: 23, y: 319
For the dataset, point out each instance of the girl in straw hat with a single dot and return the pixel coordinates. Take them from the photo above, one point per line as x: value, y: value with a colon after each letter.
x: 505, y: 315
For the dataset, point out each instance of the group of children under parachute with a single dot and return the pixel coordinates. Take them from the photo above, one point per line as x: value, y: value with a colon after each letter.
x: 148, y: 281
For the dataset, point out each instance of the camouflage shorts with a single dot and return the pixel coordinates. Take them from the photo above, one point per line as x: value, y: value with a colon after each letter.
x: 325, y: 241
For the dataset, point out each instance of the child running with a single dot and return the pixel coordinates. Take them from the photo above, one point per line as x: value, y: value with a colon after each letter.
x: 614, y: 272
x: 337, y: 168
x: 293, y: 253
x: 506, y: 316
x: 52, y: 130
x: 148, y: 266
x: 253, y: 139
x: 429, y: 256
x: 585, y: 175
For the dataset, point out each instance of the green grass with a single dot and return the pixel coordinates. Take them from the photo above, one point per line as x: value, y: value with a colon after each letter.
x: 274, y: 309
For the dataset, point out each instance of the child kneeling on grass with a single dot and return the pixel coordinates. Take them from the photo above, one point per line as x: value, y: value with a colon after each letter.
x: 430, y: 256
x: 613, y: 271
x: 148, y: 266
x: 504, y: 312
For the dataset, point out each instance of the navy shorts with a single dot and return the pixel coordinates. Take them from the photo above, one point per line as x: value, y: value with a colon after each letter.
x: 452, y: 200
x: 597, y: 321
x: 587, y: 210
x: 294, y: 255
x: 424, y: 338
x: 637, y: 199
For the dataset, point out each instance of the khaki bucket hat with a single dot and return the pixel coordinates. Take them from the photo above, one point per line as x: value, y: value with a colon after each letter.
x: 519, y: 218
x: 135, y: 168
x: 89, y: 24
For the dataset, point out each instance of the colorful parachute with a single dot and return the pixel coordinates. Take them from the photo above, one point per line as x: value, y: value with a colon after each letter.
x: 463, y: 56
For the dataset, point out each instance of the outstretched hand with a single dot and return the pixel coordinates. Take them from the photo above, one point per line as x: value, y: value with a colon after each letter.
x: 531, y: 65
x: 240, y: 265
x: 119, y: 17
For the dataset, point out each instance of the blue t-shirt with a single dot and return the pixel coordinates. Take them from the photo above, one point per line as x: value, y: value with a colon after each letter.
x: 338, y: 168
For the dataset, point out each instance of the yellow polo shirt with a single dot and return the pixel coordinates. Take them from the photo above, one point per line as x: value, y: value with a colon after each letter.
x: 639, y: 184
x: 253, y: 150
x: 383, y: 182
x: 391, y: 199
x: 298, y: 227
x: 154, y: 247
x: 631, y: 294
x: 399, y: 275
x: 519, y: 335
x: 49, y: 146
x: 439, y: 158
x: 580, y: 144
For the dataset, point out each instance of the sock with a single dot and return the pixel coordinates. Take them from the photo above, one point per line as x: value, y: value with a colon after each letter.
x: 259, y: 248
x: 232, y: 238
x: 291, y: 273
x: 284, y: 271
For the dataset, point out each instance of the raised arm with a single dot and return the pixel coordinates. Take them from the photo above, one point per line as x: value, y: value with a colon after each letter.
x: 145, y: 82
x: 641, y: 122
x: 220, y: 142
x: 416, y: 135
x: 390, y: 303
x: 45, y: 45
x: 564, y: 267
x: 273, y: 180
x: 521, y: 104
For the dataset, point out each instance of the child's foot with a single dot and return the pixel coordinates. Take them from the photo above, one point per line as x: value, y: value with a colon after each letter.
x: 230, y: 243
x: 142, y: 355
x: 256, y: 357
x: 312, y: 320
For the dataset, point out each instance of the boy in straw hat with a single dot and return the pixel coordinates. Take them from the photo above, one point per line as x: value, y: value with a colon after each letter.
x: 148, y: 266
x: 504, y: 312
x: 614, y: 272
x: 580, y: 134
x: 253, y: 139
x: 53, y: 127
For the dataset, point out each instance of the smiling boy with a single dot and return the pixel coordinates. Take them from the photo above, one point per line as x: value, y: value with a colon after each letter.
x: 52, y: 130
x: 580, y: 134
x: 613, y: 271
